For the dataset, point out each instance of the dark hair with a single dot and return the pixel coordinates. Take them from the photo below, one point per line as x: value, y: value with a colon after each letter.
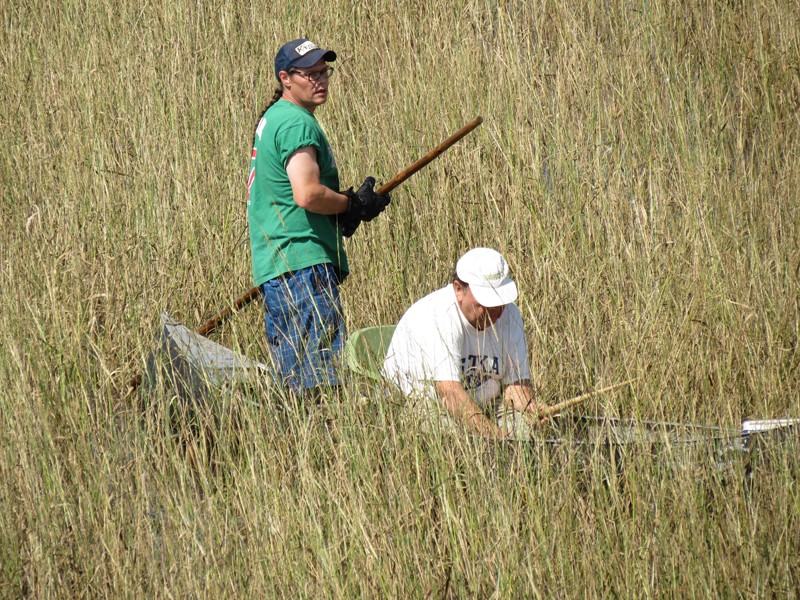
x: 454, y: 277
x: 275, y: 97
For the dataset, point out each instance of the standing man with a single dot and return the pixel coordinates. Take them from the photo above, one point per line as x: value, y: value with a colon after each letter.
x: 460, y: 352
x: 297, y: 217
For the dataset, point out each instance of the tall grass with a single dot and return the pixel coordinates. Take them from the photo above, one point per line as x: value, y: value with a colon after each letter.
x: 638, y: 166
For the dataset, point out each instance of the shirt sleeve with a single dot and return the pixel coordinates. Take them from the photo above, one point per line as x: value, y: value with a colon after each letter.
x: 294, y: 137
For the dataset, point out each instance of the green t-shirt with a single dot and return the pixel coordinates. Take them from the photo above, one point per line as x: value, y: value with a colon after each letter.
x: 283, y: 236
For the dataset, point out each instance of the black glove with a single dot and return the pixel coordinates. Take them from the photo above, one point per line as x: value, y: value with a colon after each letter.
x: 349, y: 228
x: 348, y: 222
x: 365, y: 204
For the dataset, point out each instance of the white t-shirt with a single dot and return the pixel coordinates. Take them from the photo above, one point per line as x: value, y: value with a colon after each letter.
x: 434, y: 342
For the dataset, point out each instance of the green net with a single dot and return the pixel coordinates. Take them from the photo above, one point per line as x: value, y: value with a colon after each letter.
x: 366, y: 348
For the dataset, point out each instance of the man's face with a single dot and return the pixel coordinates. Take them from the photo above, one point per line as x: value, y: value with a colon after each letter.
x: 479, y: 316
x: 300, y: 87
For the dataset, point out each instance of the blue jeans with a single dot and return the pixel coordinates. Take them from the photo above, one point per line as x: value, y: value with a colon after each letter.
x: 305, y: 328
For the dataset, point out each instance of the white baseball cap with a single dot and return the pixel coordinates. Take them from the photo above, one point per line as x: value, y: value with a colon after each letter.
x: 486, y: 272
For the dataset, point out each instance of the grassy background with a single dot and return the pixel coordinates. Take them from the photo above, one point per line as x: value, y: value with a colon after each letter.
x: 638, y: 166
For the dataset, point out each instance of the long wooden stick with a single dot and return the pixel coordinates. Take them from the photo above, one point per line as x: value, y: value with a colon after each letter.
x: 429, y: 157
x: 387, y: 187
x: 226, y: 312
x: 556, y: 408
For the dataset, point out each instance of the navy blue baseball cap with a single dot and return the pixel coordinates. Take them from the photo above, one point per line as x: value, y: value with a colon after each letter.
x: 301, y: 53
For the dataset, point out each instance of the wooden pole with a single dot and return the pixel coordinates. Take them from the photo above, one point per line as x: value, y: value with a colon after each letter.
x: 557, y: 408
x: 387, y: 187
x: 429, y: 157
x: 226, y: 312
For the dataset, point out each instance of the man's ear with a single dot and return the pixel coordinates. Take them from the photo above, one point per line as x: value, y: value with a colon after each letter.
x: 285, y: 79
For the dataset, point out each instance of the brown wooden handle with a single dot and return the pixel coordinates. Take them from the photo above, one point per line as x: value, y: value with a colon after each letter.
x: 226, y: 312
x: 557, y: 408
x: 387, y: 187
x: 430, y: 156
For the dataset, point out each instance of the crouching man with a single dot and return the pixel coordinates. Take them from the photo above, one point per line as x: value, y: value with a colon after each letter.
x: 460, y: 353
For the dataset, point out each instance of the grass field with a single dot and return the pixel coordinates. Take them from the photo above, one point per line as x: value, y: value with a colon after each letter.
x: 638, y: 165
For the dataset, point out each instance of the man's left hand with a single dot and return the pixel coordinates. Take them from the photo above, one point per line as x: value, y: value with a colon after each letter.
x: 349, y: 227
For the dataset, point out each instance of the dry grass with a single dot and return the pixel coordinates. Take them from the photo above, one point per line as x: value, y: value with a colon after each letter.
x: 638, y: 166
